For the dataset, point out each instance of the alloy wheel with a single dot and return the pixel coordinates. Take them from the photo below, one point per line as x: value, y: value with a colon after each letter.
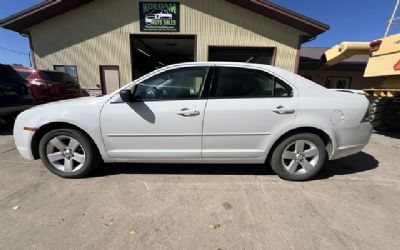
x: 300, y: 157
x: 65, y: 154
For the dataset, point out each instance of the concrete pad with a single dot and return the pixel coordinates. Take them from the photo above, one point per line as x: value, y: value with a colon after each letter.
x: 353, y: 204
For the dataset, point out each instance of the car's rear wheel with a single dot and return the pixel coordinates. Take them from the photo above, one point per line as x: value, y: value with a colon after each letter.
x: 298, y: 157
x: 68, y: 153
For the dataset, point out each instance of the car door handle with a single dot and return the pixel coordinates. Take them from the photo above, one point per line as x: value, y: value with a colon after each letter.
x: 187, y: 112
x: 282, y: 110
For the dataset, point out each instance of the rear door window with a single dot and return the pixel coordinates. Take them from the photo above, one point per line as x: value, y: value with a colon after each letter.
x: 282, y: 89
x: 57, y: 77
x: 234, y: 82
x: 242, y: 83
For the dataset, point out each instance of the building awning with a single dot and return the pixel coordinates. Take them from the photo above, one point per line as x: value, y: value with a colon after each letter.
x: 283, y: 15
x: 50, y: 8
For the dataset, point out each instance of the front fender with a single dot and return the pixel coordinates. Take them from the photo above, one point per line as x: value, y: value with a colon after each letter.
x: 84, y: 114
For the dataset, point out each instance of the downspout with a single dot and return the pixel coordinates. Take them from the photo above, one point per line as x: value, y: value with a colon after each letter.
x: 32, y: 60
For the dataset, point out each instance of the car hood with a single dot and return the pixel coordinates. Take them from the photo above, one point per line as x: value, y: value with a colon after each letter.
x: 76, y: 102
x: 70, y: 111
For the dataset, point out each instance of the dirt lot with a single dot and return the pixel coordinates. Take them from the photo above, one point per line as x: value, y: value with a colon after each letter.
x: 353, y: 204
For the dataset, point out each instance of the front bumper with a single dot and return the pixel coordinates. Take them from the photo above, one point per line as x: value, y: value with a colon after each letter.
x: 350, y: 141
x: 22, y: 140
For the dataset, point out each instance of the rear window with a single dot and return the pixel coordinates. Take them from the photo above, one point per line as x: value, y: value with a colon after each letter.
x: 8, y: 73
x: 58, y: 77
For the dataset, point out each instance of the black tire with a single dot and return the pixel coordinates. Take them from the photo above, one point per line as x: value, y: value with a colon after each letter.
x: 276, y: 161
x: 385, y: 114
x: 92, y: 156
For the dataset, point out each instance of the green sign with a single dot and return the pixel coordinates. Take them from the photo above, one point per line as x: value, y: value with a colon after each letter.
x: 159, y: 16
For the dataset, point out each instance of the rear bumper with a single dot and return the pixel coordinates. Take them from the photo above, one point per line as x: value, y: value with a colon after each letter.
x: 351, y: 140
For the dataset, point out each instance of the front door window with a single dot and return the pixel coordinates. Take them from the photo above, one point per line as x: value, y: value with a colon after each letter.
x: 179, y: 84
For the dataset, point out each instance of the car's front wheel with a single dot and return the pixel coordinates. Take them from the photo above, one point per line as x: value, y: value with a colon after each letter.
x: 298, y: 157
x: 68, y: 153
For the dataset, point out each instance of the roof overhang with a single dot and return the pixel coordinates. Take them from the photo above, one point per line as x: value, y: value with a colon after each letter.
x: 38, y: 13
x: 296, y: 20
x: 50, y: 8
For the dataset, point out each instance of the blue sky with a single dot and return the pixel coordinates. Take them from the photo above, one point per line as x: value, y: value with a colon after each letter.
x: 350, y: 20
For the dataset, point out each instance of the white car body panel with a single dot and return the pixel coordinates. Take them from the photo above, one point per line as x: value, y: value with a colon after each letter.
x: 82, y: 112
x: 241, y: 128
x: 153, y: 129
x: 225, y: 131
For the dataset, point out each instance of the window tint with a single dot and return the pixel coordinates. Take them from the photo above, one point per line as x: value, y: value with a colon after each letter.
x: 57, y: 77
x: 184, y: 83
x: 282, y: 89
x: 236, y: 82
x: 248, y: 83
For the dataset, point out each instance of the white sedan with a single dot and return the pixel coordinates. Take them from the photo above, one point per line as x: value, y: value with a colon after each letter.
x: 211, y: 112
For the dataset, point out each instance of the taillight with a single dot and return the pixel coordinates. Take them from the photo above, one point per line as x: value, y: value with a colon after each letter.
x: 375, y: 45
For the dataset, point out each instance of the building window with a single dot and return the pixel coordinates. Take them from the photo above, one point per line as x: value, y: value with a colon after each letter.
x: 70, y: 69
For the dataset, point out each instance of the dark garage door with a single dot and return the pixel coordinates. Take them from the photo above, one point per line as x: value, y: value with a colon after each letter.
x: 263, y: 55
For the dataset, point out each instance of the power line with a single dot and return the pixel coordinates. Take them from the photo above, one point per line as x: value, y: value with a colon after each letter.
x: 14, y: 51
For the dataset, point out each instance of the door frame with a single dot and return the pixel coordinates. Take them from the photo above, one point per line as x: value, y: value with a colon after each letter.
x: 102, y: 80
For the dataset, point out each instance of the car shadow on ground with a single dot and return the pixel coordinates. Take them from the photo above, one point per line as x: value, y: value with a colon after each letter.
x: 394, y: 135
x: 360, y: 162
x: 357, y: 163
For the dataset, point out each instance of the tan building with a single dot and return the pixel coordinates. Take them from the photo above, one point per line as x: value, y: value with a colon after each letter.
x: 348, y: 74
x: 107, y: 43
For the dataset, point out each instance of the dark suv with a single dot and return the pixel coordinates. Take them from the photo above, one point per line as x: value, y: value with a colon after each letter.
x: 15, y: 94
x: 49, y: 85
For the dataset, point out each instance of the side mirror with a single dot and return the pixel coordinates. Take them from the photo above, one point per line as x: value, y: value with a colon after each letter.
x: 126, y: 95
